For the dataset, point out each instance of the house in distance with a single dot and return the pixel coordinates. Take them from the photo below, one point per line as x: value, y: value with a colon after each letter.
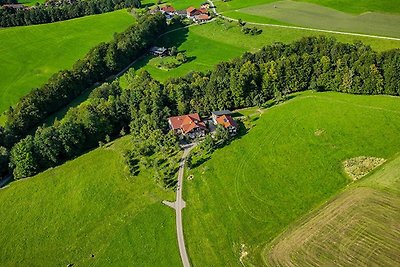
x: 159, y: 51
x: 189, y: 125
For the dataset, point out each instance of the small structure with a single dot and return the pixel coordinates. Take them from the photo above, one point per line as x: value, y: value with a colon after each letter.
x: 216, y: 114
x: 189, y: 125
x: 159, y: 51
x: 228, y: 123
x: 202, y: 17
x: 181, y: 13
x: 14, y: 6
x: 204, y: 11
x: 191, y: 12
x: 224, y: 118
x: 205, y: 5
x: 168, y: 9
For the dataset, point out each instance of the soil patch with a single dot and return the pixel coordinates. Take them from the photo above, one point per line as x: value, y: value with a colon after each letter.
x: 358, y: 167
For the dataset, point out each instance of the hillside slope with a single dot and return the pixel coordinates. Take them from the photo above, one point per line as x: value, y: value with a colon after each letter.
x: 288, y: 164
x: 88, y: 212
x: 31, y: 54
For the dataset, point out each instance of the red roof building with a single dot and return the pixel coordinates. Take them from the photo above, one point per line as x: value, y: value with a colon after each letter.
x: 168, y: 9
x: 202, y: 17
x: 226, y: 121
x: 190, y: 124
x: 191, y: 12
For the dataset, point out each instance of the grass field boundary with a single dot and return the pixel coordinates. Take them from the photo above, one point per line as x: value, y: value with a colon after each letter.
x: 316, y: 30
x: 353, y: 185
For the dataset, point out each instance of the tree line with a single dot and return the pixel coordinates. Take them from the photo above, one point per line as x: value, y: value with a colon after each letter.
x: 316, y: 63
x: 101, y: 62
x: 60, y: 10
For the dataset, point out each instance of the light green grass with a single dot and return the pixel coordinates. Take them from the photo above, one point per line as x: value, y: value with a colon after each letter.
x: 30, y: 55
x: 354, y: 6
x: 88, y: 206
x: 252, y: 190
x: 315, y: 16
x: 212, y: 43
x: 31, y: 2
x: 363, y: 220
x: 177, y: 4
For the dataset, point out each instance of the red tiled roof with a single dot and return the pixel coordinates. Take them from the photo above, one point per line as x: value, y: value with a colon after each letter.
x: 203, y: 17
x: 226, y: 121
x: 190, y: 9
x: 203, y: 10
x: 168, y: 9
x: 187, y: 122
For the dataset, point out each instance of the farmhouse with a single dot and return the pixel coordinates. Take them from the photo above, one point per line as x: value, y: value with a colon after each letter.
x: 168, y: 9
x: 158, y: 51
x: 189, y: 125
x: 191, y: 12
x: 202, y: 17
x: 224, y: 118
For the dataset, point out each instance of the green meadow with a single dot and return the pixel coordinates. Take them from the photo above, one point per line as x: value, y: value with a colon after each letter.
x: 363, y: 219
x: 288, y: 164
x: 88, y: 212
x: 354, y: 7
x: 316, y: 16
x: 31, y: 54
x: 209, y: 44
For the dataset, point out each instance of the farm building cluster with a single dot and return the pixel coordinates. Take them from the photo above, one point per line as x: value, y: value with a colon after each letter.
x: 193, y: 126
x: 198, y: 15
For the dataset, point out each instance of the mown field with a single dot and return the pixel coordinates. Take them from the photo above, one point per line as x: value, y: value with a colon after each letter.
x: 359, y: 227
x: 209, y: 44
x: 316, y: 16
x: 354, y: 7
x: 289, y: 163
x: 30, y: 55
x: 88, y: 212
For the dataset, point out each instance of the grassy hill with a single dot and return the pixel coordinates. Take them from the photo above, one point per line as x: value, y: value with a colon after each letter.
x: 30, y: 55
x: 88, y: 212
x: 358, y: 227
x: 289, y: 163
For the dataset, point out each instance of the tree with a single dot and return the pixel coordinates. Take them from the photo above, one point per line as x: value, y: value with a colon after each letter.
x: 222, y: 134
x: 23, y: 159
x: 181, y: 57
x: 207, y: 145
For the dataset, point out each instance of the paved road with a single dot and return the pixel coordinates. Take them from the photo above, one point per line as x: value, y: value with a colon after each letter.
x: 178, y: 205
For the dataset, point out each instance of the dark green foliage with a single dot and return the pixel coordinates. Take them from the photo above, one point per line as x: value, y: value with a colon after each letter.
x: 4, y: 158
x: 222, y: 135
x: 101, y: 62
x: 143, y: 108
x: 60, y: 10
x: 23, y: 158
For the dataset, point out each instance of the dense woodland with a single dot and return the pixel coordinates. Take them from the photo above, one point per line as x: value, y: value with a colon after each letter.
x: 60, y: 10
x: 316, y: 63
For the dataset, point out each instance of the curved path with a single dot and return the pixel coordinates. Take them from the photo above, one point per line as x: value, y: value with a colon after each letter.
x: 178, y: 205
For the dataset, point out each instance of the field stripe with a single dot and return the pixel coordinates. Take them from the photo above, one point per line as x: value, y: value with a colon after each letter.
x: 316, y: 30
